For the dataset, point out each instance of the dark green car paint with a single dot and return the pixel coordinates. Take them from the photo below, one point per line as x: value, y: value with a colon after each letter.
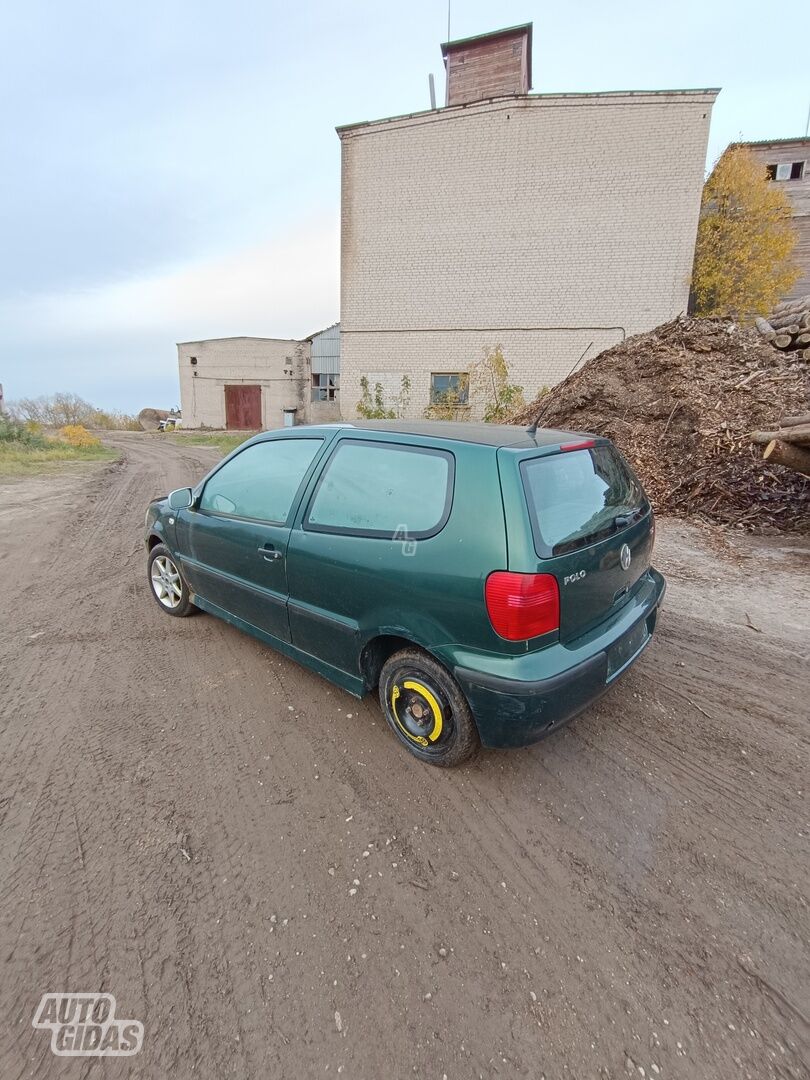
x: 329, y: 599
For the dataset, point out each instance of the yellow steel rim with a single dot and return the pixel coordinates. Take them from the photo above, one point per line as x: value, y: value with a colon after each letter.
x: 435, y: 708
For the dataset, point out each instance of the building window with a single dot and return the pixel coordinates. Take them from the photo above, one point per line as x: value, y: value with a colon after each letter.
x: 325, y: 387
x: 786, y: 170
x: 452, y: 388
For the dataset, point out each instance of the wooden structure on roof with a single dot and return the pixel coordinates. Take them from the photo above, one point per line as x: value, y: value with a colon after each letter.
x: 489, y: 65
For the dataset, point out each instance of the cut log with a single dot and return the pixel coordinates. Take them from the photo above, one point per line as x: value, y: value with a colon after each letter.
x: 792, y: 421
x: 792, y: 305
x: 791, y: 318
x: 781, y: 341
x: 764, y: 328
x: 792, y: 457
x: 803, y: 339
x: 798, y: 434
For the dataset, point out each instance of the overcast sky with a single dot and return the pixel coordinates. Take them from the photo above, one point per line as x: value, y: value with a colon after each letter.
x: 170, y: 171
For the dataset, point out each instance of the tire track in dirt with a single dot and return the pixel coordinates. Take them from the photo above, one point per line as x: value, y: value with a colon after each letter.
x: 60, y: 681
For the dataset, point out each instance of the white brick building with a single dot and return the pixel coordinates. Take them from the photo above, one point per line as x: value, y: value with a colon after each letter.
x: 242, y: 383
x: 552, y: 225
x: 247, y: 383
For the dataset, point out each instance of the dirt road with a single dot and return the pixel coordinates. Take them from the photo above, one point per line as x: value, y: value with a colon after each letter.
x: 242, y: 855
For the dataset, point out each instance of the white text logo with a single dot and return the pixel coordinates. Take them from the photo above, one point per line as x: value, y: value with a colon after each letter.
x: 85, y: 1025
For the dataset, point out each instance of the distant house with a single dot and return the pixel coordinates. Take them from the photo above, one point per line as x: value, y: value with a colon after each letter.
x: 247, y: 383
x: 788, y: 165
x: 552, y: 225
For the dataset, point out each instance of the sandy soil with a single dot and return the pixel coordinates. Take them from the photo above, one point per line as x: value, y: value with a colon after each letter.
x: 242, y: 855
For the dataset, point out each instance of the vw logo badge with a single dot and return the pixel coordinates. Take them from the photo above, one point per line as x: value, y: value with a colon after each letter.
x: 625, y: 557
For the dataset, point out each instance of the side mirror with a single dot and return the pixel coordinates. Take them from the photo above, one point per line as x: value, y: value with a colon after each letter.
x: 180, y: 499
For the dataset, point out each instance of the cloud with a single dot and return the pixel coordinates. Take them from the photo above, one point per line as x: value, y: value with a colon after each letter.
x: 274, y: 289
x: 285, y: 286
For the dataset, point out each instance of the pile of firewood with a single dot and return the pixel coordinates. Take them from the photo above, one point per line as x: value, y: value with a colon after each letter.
x: 789, y: 326
x: 789, y: 444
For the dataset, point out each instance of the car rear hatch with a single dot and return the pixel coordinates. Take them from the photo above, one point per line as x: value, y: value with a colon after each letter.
x: 591, y: 527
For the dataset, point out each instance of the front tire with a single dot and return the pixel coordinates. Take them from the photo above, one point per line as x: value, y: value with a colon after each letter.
x: 426, y: 710
x: 166, y: 583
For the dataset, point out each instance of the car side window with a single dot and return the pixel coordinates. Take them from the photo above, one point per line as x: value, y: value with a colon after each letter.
x: 261, y: 481
x: 383, y: 490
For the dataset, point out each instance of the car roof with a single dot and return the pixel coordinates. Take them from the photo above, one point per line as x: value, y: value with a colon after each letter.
x: 509, y: 435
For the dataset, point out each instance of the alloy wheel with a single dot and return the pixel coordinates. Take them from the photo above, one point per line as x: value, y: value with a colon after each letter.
x: 166, y: 581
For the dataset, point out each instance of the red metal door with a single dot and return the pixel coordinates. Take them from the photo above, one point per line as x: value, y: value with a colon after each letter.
x: 243, y: 407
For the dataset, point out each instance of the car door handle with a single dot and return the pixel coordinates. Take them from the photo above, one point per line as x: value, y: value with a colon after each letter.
x: 269, y: 554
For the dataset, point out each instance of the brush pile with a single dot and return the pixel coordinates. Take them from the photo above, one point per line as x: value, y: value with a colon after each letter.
x: 682, y: 403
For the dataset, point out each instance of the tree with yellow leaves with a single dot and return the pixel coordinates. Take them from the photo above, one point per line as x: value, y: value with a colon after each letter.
x: 745, y: 241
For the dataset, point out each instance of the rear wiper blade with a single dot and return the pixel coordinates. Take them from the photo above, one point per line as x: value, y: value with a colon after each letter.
x: 622, y: 520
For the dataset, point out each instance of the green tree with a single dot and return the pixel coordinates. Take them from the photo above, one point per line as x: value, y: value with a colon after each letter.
x: 489, y: 383
x: 372, y: 406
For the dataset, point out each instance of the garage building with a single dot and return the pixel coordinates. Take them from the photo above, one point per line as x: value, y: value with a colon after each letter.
x: 247, y: 383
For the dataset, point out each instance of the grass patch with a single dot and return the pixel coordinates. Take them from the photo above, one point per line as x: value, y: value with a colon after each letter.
x: 21, y: 459
x: 219, y: 440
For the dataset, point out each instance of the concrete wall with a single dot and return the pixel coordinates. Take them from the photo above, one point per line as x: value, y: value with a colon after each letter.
x: 280, y: 367
x: 546, y: 224
x: 798, y: 191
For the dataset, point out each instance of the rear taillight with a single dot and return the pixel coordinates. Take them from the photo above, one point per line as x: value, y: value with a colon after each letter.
x: 522, y: 606
x: 586, y: 444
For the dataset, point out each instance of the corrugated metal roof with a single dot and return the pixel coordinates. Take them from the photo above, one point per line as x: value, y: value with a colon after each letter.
x: 325, y: 351
x: 483, y: 37
x: 331, y: 326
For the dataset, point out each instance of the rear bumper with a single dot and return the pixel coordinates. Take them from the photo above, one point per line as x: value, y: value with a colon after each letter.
x: 519, y: 700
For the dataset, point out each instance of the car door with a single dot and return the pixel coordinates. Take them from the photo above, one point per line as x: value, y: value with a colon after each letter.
x: 234, y: 538
x: 365, y: 549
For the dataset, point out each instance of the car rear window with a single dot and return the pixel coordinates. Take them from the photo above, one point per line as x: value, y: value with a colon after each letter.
x: 578, y: 497
x: 383, y: 490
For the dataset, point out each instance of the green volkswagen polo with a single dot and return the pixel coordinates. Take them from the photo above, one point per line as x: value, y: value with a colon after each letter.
x: 490, y: 581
